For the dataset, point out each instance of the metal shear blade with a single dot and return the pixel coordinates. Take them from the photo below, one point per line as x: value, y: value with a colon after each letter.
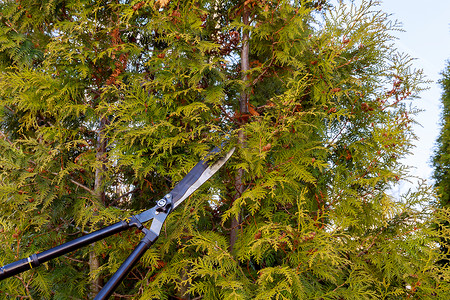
x: 199, y: 174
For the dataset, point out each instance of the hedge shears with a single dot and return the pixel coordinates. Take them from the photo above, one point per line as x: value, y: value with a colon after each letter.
x: 199, y: 174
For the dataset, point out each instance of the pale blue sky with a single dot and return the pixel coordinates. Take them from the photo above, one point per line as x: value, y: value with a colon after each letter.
x: 427, y: 38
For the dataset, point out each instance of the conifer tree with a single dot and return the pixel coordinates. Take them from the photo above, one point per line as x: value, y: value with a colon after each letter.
x: 108, y: 104
x: 441, y: 161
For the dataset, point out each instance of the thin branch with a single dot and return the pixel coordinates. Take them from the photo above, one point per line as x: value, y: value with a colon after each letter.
x: 75, y: 260
x: 82, y: 186
x: 76, y: 227
x: 25, y: 285
x: 78, y: 184
x: 264, y: 72
x: 6, y: 138
x: 124, y: 195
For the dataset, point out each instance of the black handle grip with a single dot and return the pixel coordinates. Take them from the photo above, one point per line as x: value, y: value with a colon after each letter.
x: 35, y: 260
x: 149, y: 238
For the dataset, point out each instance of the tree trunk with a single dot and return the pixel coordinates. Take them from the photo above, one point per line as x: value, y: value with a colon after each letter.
x: 100, y: 158
x: 243, y: 110
x: 236, y: 221
x: 94, y: 264
x: 99, y: 189
x: 183, y: 291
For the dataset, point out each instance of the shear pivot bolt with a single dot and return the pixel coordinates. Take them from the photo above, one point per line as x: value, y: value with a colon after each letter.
x: 161, y: 202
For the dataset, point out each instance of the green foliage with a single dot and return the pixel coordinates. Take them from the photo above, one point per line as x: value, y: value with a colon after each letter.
x: 108, y: 104
x: 441, y: 158
x: 441, y: 163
